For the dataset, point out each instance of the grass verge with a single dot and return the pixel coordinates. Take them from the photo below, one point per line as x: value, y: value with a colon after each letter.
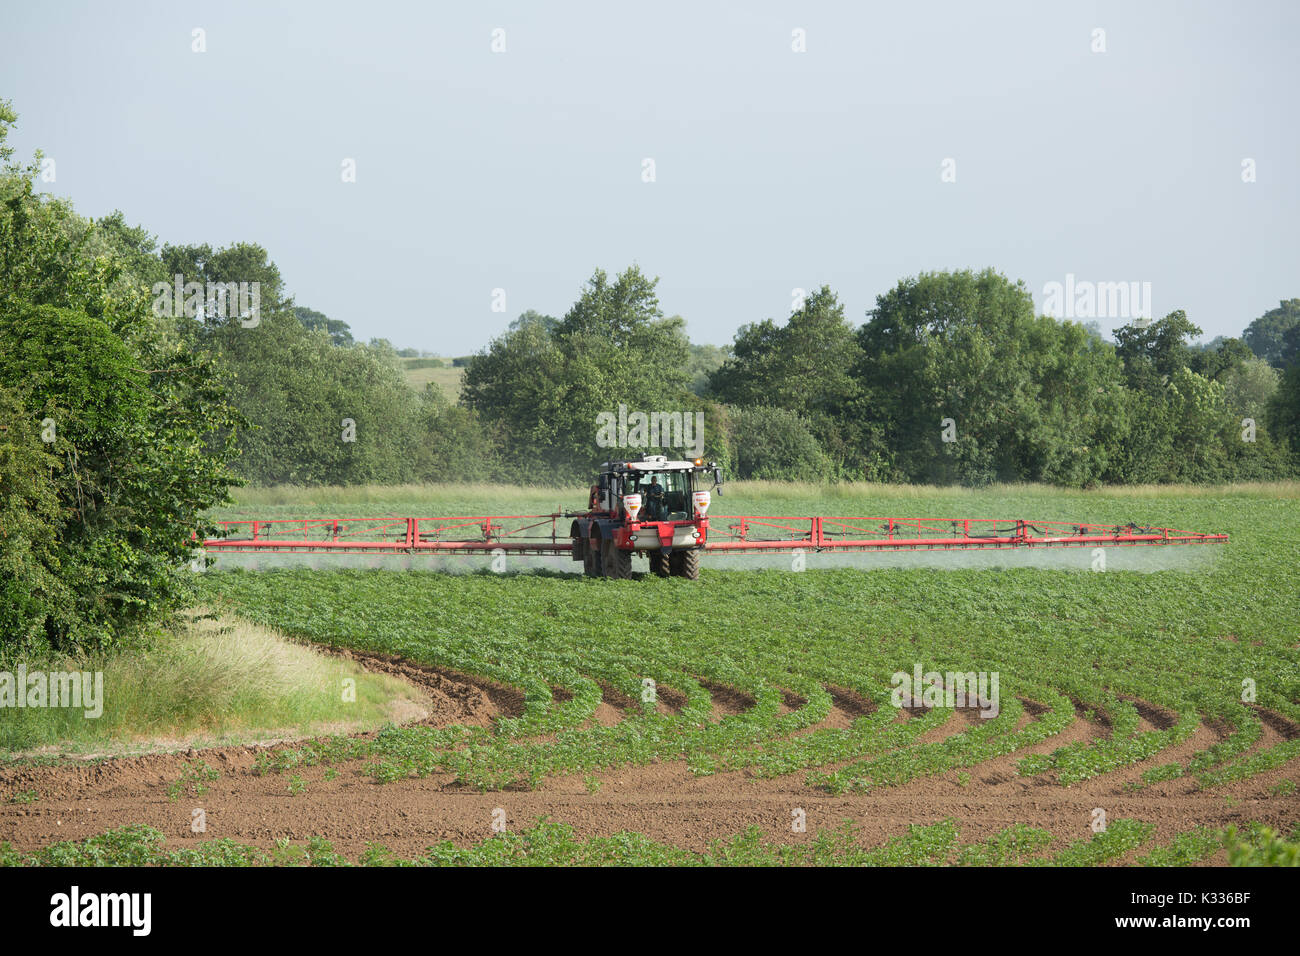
x: 218, y: 681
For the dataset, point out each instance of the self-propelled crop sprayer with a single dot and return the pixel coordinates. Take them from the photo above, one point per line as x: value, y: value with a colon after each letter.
x: 660, y: 508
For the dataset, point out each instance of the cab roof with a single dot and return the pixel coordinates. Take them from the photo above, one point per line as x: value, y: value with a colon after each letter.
x: 656, y: 463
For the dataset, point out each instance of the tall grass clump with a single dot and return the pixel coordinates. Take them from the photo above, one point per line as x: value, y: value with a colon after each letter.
x: 217, y: 679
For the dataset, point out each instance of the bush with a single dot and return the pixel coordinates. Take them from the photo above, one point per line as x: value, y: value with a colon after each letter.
x: 455, y: 444
x: 115, y: 438
x: 31, y: 592
x: 774, y: 443
x: 112, y: 469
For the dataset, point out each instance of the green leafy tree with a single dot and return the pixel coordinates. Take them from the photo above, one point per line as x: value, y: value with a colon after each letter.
x: 319, y: 413
x: 1073, y: 429
x: 966, y: 384
x: 1199, y: 424
x: 1186, y: 405
x: 35, y: 600
x: 1248, y: 392
x: 544, y: 390
x: 133, y: 248
x: 135, y: 430
x: 1248, y: 388
x: 1220, y: 357
x: 455, y: 445
x: 804, y: 366
x: 1267, y: 335
x: 1153, y: 352
x: 703, y: 362
x: 777, y: 444
x: 519, y: 385
x: 533, y: 317
x: 338, y: 331
x: 1284, y: 409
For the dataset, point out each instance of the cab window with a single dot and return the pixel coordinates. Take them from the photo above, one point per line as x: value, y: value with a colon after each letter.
x: 674, y: 505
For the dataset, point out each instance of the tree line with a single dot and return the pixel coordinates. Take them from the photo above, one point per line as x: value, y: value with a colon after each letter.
x: 952, y: 378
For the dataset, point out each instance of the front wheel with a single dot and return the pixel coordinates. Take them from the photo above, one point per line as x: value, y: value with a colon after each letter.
x: 685, y: 564
x: 618, y: 563
x: 659, y: 564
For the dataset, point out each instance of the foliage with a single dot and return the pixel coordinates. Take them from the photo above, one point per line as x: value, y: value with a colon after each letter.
x: 456, y: 445
x: 120, y: 438
x: 543, y: 387
x: 1272, y: 336
x: 703, y: 362
x: 972, y: 387
x: 801, y: 366
x: 321, y: 413
x: 336, y: 329
x: 1284, y: 409
x: 32, y: 591
x: 776, y: 443
x: 1260, y: 846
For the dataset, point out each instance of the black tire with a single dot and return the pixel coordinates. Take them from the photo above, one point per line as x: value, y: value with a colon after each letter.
x: 658, y: 564
x: 591, y: 559
x: 685, y: 564
x: 618, y: 563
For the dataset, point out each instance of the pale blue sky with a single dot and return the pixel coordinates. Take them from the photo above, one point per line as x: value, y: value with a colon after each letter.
x: 775, y: 169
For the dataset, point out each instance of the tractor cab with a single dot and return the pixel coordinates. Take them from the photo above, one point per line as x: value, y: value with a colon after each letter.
x: 655, y: 488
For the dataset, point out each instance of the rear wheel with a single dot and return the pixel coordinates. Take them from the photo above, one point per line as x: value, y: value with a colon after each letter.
x: 591, y: 560
x: 618, y: 563
x: 659, y: 564
x: 685, y: 564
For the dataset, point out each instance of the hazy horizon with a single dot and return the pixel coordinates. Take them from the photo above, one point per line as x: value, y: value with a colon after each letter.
x: 774, y: 169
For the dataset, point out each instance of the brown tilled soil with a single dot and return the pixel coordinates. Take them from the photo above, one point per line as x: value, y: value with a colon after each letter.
x: 452, y: 698
x: 664, y: 801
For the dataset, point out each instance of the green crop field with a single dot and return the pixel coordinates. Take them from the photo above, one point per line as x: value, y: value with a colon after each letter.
x: 447, y: 377
x: 1192, y: 671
